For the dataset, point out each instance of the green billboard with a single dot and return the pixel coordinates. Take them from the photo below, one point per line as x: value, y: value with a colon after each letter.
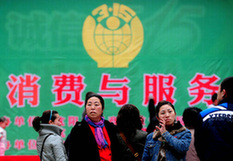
x: 53, y: 52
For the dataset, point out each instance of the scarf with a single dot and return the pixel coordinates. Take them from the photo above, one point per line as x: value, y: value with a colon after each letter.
x: 157, y: 135
x: 99, y: 136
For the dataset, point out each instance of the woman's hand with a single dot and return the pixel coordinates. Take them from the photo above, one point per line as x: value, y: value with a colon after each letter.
x: 162, y: 127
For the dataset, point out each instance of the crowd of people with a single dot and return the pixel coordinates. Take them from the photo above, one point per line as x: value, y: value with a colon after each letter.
x: 206, y: 135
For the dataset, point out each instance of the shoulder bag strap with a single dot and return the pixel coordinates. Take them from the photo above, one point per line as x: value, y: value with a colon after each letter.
x: 42, y: 148
x: 136, y: 154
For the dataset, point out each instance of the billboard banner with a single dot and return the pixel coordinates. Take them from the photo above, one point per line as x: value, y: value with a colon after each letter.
x: 53, y: 52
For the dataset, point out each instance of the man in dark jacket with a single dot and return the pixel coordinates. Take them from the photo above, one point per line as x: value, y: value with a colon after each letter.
x: 214, y: 135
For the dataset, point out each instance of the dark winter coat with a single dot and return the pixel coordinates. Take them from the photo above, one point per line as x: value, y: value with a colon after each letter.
x: 82, y: 144
x: 214, y: 135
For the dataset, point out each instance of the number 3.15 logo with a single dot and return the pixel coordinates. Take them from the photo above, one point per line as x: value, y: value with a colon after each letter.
x: 113, y: 36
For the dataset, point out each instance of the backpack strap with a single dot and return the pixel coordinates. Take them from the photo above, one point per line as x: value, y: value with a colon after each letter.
x: 135, y: 154
x: 42, y: 148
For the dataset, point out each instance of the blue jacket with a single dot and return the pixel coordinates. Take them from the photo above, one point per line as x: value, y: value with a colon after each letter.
x: 214, y: 134
x: 178, y: 145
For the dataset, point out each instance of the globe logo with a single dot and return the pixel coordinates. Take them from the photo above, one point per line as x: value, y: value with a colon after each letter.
x: 112, y: 36
x: 111, y: 39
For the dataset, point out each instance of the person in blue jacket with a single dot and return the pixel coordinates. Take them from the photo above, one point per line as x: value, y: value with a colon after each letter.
x: 170, y: 140
x: 214, y: 134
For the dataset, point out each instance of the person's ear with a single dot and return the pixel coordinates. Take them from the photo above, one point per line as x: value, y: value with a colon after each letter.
x: 224, y: 93
x: 50, y: 121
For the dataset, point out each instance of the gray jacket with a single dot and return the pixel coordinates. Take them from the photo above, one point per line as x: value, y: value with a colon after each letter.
x: 54, y: 149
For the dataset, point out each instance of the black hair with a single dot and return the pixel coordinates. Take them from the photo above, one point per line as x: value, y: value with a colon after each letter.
x: 227, y: 84
x: 92, y: 94
x: 151, y: 108
x: 44, y: 119
x: 214, y: 97
x: 84, y: 111
x: 129, y: 120
x: 160, y: 104
x: 190, y: 116
x: 3, y: 119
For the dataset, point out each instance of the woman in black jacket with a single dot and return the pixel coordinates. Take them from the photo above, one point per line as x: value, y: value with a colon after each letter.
x: 93, y: 139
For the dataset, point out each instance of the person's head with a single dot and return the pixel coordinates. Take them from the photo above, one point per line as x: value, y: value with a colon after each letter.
x: 129, y: 119
x: 94, y: 106
x: 190, y: 116
x: 214, y: 99
x: 225, y: 90
x: 48, y: 117
x: 166, y: 111
x: 3, y: 122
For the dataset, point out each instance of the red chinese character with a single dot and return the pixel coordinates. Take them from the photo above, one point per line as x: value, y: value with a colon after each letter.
x: 201, y: 87
x: 112, y: 119
x: 19, y: 144
x: 30, y: 119
x: 32, y: 144
x: 19, y: 121
x: 117, y: 89
x: 23, y: 88
x: 180, y: 118
x: 8, y: 146
x: 143, y: 118
x: 68, y: 89
x: 62, y: 120
x: 160, y: 86
x: 72, y: 120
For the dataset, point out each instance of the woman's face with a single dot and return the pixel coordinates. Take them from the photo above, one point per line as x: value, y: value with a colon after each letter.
x: 167, y: 113
x: 94, y: 109
x: 57, y: 121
